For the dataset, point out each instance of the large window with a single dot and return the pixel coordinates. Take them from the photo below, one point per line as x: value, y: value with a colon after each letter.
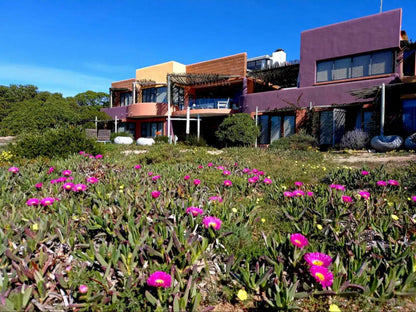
x: 152, y: 129
x: 371, y: 64
x: 126, y: 98
x: 154, y: 95
x: 409, y: 115
x: 258, y: 64
x: 275, y: 127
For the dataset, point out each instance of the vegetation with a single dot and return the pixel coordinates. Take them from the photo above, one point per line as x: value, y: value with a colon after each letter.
x: 298, y: 141
x: 180, y: 229
x: 238, y: 130
x: 356, y: 139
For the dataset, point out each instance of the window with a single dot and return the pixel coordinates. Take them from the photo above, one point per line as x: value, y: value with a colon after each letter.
x: 264, y: 132
x: 126, y: 98
x: 275, y: 127
x: 151, y: 129
x: 377, y: 63
x: 154, y: 95
x: 409, y: 115
x: 258, y: 64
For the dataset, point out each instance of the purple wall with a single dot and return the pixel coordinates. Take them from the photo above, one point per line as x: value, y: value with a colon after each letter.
x: 120, y: 112
x: 324, y: 95
x: 370, y: 33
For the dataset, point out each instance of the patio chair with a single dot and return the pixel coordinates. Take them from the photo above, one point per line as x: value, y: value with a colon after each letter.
x: 223, y: 104
x: 103, y: 136
x: 91, y: 133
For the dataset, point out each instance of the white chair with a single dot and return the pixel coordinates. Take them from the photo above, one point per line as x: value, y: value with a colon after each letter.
x: 223, y: 104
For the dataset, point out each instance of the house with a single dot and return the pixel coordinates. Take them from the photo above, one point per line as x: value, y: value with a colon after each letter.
x: 348, y: 73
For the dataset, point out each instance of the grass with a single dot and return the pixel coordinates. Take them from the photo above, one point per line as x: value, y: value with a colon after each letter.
x: 113, y: 235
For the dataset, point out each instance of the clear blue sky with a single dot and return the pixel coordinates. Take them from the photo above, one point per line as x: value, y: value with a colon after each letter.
x: 71, y: 46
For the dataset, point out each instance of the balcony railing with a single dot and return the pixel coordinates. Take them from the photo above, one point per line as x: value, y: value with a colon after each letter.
x: 214, y: 103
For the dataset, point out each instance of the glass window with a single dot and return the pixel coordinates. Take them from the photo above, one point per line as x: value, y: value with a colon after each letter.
x: 324, y: 71
x: 409, y: 115
x: 381, y: 63
x: 161, y: 95
x: 276, y: 124
x: 151, y: 129
x: 368, y: 121
x: 126, y: 98
x: 264, y: 129
x: 341, y: 69
x: 288, y: 125
x: 360, y: 66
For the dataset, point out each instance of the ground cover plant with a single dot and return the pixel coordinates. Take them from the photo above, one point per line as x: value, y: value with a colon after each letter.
x: 174, y: 228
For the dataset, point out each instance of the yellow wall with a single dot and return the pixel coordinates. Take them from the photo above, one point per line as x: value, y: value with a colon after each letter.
x: 158, y: 72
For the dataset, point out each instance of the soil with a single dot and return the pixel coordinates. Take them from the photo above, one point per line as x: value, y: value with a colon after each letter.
x: 357, y: 159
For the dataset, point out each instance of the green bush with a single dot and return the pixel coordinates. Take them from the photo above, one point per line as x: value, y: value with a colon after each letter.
x: 238, y: 130
x: 356, y: 139
x: 161, y: 139
x: 193, y: 140
x: 58, y: 142
x: 298, y: 141
x: 113, y: 135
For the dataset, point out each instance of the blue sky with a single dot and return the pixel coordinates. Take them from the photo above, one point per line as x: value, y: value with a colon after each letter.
x: 71, y: 46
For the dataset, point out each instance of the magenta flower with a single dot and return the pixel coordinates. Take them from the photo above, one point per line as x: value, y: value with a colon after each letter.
x: 14, y: 170
x: 381, y: 183
x: 79, y: 187
x: 47, y: 201
x: 317, y: 258
x: 364, y: 172
x: 61, y: 179
x: 226, y: 172
x: 39, y: 185
x: 260, y: 173
x: 267, y: 181
x: 254, y: 170
x: 212, y: 222
x: 309, y: 193
x: 67, y: 172
x: 252, y: 180
x: 200, y: 167
x: 51, y: 169
x: 137, y: 167
x: 338, y: 187
x: 155, y: 194
x: 91, y: 157
x: 53, y: 181
x: 414, y: 198
x: 156, y: 177
x: 99, y: 156
x: 298, y: 193
x: 322, y: 275
x: 150, y: 173
x: 299, y: 240
x: 83, y: 289
x: 228, y: 183
x: 220, y: 168
x: 33, y: 202
x: 364, y: 194
x: 159, y: 279
x: 393, y: 182
x: 287, y: 194
x: 92, y: 180
x: 68, y: 186
x: 194, y: 211
x: 81, y: 152
x: 210, y: 164
x: 215, y: 199
x: 298, y: 183
x: 246, y: 170
x: 197, y: 182
x: 346, y: 199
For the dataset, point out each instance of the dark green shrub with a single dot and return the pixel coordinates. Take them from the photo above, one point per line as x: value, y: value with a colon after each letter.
x: 192, y: 140
x: 58, y: 142
x: 238, y: 130
x: 298, y: 141
x: 113, y: 135
x: 161, y: 139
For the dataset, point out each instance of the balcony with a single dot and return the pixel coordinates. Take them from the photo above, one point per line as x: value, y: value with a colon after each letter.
x: 213, y: 103
x: 138, y: 110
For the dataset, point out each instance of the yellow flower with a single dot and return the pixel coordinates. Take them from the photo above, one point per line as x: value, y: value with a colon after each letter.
x: 334, y: 308
x: 394, y: 217
x: 242, y: 295
x: 319, y: 226
x: 263, y: 220
x: 234, y: 210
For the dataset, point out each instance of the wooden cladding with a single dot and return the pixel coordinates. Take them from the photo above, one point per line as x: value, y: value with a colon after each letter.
x: 234, y: 65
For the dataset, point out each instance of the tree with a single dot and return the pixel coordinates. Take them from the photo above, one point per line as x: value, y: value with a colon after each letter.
x: 238, y: 130
x: 91, y: 98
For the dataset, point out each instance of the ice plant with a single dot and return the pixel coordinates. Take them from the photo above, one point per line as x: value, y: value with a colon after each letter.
x: 299, y: 240
x: 338, y: 187
x: 160, y: 279
x: 68, y: 186
x: 13, y: 169
x: 79, y: 187
x: 267, y: 181
x: 197, y: 182
x: 309, y: 193
x: 83, y: 289
x: 322, y: 275
x: 346, y: 199
x: 99, y: 156
x: 215, y: 199
x: 187, y: 177
x: 287, y: 194
x: 155, y: 194
x: 200, y: 167
x: 298, y: 193
x: 194, y: 211
x: 381, y: 183
x: 298, y: 183
x: 226, y: 172
x: 92, y: 180
x: 393, y: 182
x: 414, y: 198
x: 33, y: 202
x: 156, y: 177
x: 137, y: 167
x: 228, y: 183
x: 210, y: 164
x: 51, y: 169
x: 39, y: 185
x: 212, y: 222
x: 47, y: 201
x: 364, y: 172
x: 364, y: 194
x: 318, y: 258
x: 67, y: 172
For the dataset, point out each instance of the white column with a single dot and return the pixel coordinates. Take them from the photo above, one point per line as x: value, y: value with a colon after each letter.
x: 168, y: 94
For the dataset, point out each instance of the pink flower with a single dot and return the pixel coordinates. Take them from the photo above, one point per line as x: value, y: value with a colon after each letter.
x: 200, y: 167
x: 187, y: 177
x: 33, y: 202
x: 68, y: 186
x: 61, y: 179
x: 99, y: 156
x: 160, y: 279
x: 246, y: 170
x: 91, y: 157
x: 212, y: 222
x: 393, y: 182
x: 364, y: 194
x: 210, y: 164
x: 215, y: 199
x: 81, y: 152
x: 322, y: 275
x: 364, y: 173
x: 298, y: 193
x: 252, y: 180
x: 317, y: 258
x: 137, y: 167
x: 267, y: 181
x: 338, y: 187
x: 414, y: 198
x: 156, y: 177
x: 226, y: 172
x: 228, y: 183
x: 67, y: 172
x: 287, y: 194
x: 255, y: 170
x: 197, y: 182
x: 346, y: 199
x: 155, y: 194
x: 299, y: 240
x: 298, y: 183
x: 39, y: 185
x: 79, y: 187
x: 150, y: 173
x: 51, y: 169
x: 381, y: 183
x: 53, y: 181
x: 309, y: 193
x: 83, y: 289
x: 47, y: 201
x: 92, y: 180
x: 13, y: 169
x: 260, y: 173
x: 194, y: 211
